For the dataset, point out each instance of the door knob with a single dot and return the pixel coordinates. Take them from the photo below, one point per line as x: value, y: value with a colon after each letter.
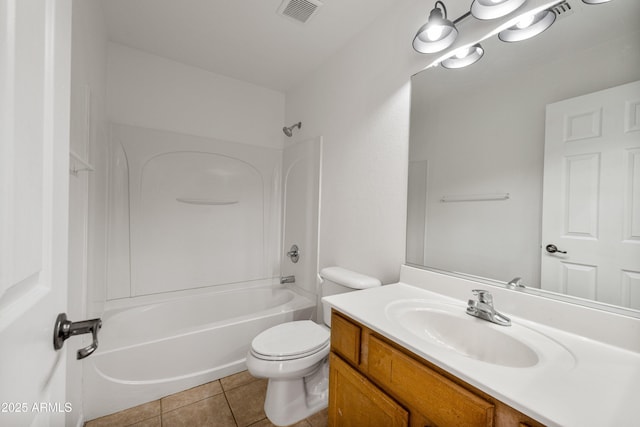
x: 64, y: 329
x: 552, y: 249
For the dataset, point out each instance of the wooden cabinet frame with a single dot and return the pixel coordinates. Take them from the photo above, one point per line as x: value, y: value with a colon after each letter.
x: 387, y: 379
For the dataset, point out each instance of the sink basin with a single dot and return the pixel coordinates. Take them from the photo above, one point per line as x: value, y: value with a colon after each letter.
x: 449, y: 327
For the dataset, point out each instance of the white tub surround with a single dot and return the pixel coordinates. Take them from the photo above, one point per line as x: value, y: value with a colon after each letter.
x: 576, y: 362
x: 170, y: 344
x: 189, y: 212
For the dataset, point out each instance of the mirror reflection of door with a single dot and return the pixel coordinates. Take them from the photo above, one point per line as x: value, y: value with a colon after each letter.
x: 591, y: 204
x: 417, y: 213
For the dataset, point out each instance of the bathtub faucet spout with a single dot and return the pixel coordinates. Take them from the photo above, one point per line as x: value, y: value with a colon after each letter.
x: 287, y: 279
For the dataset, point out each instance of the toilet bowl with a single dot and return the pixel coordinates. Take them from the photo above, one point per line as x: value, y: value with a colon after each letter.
x: 294, y: 356
x: 289, y: 355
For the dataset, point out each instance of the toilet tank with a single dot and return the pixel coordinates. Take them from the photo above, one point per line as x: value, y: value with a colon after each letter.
x: 338, y: 280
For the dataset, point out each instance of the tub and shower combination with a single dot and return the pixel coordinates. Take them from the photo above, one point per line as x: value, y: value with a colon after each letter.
x: 156, y: 349
x: 193, y: 266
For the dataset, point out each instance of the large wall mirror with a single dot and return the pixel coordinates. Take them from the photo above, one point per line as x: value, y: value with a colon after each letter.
x: 484, y: 192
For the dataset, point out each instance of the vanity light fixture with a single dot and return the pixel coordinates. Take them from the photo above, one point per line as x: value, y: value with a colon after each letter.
x: 521, y: 20
x: 464, y: 57
x: 492, y: 9
x: 529, y: 25
x: 437, y: 34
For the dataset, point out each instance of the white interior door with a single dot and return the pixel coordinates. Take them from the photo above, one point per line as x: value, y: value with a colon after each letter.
x: 34, y: 156
x: 591, y: 205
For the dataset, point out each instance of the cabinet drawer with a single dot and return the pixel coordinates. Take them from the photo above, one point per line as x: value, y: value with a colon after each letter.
x: 437, y: 398
x: 345, y: 338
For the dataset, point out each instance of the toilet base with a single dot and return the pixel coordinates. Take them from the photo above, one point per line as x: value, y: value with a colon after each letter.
x: 291, y: 400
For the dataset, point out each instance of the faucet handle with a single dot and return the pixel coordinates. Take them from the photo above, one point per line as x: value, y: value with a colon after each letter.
x: 516, y: 282
x: 483, y: 295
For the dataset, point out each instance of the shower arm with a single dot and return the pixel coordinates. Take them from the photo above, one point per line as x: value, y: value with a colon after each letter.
x: 288, y: 130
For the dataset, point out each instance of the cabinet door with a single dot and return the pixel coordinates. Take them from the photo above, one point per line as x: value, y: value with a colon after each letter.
x: 355, y: 402
x: 345, y: 338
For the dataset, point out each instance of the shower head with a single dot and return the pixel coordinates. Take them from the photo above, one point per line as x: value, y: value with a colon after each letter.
x: 288, y: 130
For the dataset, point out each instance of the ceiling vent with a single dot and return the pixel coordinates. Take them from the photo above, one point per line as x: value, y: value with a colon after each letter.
x: 299, y: 10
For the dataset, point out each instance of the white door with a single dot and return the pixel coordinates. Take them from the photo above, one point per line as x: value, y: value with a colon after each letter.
x: 35, y: 62
x: 591, y: 204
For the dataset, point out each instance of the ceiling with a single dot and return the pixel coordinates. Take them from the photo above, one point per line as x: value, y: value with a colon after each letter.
x: 248, y: 40
x: 244, y: 39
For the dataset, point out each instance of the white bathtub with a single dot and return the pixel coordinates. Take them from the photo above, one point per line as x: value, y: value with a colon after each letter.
x: 161, y: 347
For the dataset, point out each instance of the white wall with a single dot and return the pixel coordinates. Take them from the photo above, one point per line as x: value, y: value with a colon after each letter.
x: 150, y: 91
x: 359, y: 103
x: 87, y: 191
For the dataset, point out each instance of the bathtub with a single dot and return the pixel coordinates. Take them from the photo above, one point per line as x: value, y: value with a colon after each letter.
x: 162, y: 346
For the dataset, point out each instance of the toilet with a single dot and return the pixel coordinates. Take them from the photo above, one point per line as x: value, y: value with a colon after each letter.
x: 294, y: 355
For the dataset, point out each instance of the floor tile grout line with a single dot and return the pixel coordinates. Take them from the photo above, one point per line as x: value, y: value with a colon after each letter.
x: 191, y: 403
x: 224, y: 393
x: 240, y: 385
x: 145, y: 419
x: 162, y: 411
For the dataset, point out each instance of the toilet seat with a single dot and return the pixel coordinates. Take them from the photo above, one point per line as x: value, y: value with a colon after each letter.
x: 289, y: 341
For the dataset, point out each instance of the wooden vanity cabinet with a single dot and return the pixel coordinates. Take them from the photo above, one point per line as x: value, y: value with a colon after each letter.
x: 359, y: 403
x: 375, y: 382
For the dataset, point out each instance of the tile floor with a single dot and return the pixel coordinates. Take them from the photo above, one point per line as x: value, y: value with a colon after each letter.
x: 233, y: 401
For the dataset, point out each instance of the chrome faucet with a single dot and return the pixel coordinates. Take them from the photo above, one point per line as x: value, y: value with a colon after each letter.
x: 516, y: 282
x: 483, y: 308
x: 287, y: 279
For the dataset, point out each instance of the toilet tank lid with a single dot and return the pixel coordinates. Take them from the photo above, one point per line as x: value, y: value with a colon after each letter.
x: 349, y: 278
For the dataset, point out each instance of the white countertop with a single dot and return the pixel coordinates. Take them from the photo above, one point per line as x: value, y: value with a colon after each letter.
x: 587, y: 383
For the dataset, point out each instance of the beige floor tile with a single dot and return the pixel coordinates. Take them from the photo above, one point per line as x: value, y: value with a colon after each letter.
x: 236, y: 380
x: 320, y: 419
x: 151, y: 422
x: 262, y: 423
x: 247, y: 402
x: 128, y: 416
x: 192, y: 395
x: 206, y: 406
x: 210, y: 412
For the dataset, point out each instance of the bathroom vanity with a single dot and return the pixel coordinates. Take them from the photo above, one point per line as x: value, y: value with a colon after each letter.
x: 407, y: 354
x: 376, y: 382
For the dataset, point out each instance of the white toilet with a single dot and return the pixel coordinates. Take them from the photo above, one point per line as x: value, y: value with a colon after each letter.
x: 293, y: 356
